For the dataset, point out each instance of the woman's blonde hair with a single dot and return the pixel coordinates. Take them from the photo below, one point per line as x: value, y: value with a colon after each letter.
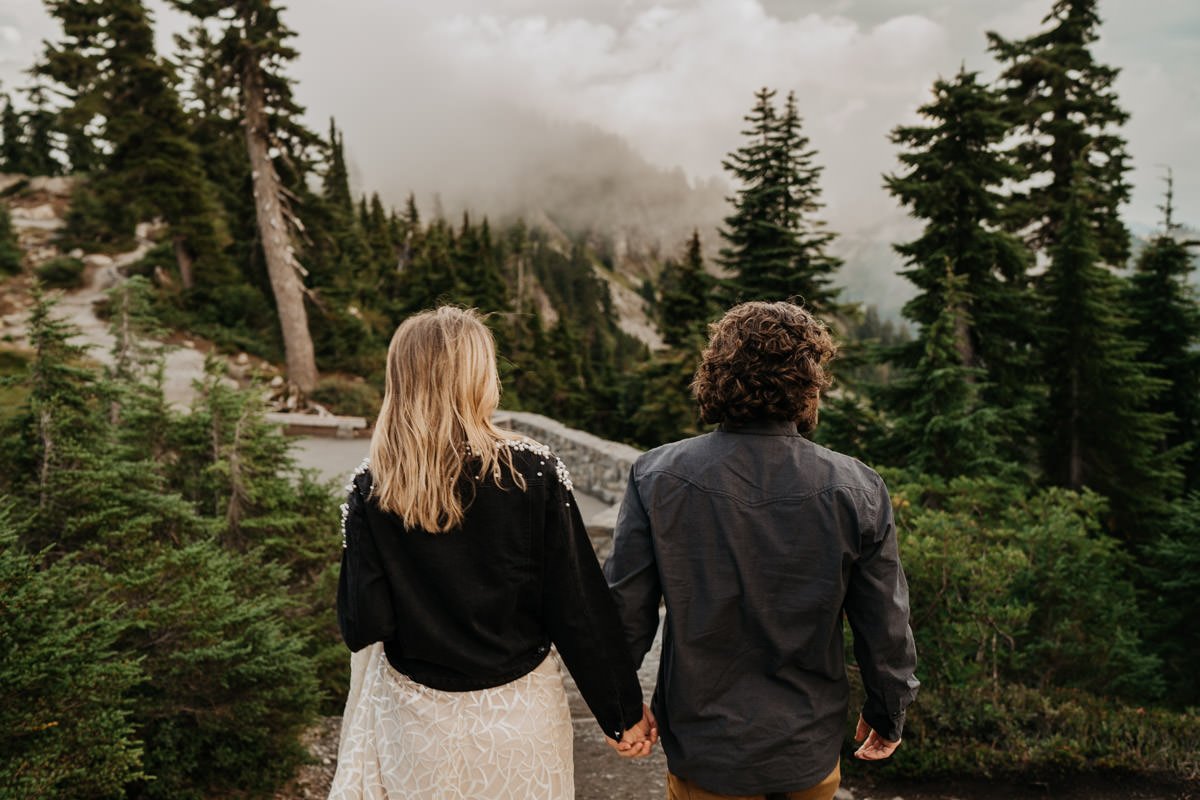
x: 442, y: 388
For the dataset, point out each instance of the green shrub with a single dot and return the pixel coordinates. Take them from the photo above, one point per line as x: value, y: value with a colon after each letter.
x: 65, y: 716
x: 348, y: 395
x: 63, y: 272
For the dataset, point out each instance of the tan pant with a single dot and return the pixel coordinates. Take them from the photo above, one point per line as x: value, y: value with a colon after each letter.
x: 683, y: 789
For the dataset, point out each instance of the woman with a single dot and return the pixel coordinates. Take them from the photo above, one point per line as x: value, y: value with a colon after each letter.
x: 464, y: 560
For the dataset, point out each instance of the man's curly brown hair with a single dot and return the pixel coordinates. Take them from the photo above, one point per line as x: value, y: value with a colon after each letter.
x: 764, y: 362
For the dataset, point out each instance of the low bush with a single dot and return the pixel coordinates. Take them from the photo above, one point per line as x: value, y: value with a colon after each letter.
x: 63, y: 272
x: 348, y: 395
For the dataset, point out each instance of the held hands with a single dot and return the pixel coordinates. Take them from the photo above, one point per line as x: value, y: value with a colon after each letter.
x: 875, y: 747
x: 637, y: 741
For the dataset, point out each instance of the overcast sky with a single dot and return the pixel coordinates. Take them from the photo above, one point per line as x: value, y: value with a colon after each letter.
x: 467, y: 95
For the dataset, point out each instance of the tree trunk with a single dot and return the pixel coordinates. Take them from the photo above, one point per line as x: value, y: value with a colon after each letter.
x: 276, y: 242
x: 184, y: 259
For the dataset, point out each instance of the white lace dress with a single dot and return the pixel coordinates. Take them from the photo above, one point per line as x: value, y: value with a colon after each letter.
x: 401, y: 740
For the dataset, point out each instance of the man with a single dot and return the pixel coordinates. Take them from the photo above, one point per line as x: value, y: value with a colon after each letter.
x: 758, y: 540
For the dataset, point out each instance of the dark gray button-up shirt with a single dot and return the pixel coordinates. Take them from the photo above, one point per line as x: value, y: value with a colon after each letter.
x: 758, y: 540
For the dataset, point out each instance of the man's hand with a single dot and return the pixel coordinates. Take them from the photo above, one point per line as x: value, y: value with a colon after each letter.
x: 637, y: 741
x: 875, y: 747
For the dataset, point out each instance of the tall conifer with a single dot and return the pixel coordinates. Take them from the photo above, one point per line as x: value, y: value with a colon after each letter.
x: 952, y: 182
x: 775, y: 246
x: 1062, y: 106
x: 1166, y: 314
x: 1098, y: 429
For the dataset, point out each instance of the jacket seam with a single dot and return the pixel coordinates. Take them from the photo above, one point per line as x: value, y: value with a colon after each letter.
x: 753, y: 504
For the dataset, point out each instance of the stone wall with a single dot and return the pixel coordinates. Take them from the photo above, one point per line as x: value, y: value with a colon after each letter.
x: 598, y: 467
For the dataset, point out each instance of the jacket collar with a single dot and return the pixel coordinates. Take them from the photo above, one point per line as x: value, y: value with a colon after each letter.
x: 762, y: 428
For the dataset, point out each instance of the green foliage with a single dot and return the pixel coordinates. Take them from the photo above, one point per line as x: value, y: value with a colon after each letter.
x: 1016, y: 587
x: 209, y: 552
x: 348, y: 395
x: 941, y: 425
x: 686, y: 303
x: 776, y: 249
x: 65, y: 712
x: 11, y: 254
x: 1030, y: 636
x: 1061, y: 105
x: 62, y: 272
x: 1098, y: 426
x: 224, y: 703
x: 1165, y: 311
x: 984, y: 333
x: 1171, y: 582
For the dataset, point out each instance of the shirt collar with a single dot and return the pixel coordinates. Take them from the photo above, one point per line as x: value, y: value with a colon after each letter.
x: 762, y: 428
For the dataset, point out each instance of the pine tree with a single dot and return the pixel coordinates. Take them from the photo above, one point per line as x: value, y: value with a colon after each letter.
x: 116, y: 81
x: 776, y: 249
x: 11, y: 254
x: 942, y: 427
x: 13, y: 148
x: 1098, y: 429
x: 686, y: 304
x: 253, y: 46
x: 953, y: 180
x: 1062, y: 106
x: 64, y: 687
x: 1165, y: 311
x: 39, y: 139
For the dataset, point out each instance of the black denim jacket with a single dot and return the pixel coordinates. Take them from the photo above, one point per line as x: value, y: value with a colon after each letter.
x: 479, y: 606
x: 759, y: 540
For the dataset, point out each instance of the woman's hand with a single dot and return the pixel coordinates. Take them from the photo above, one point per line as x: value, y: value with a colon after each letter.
x: 638, y: 740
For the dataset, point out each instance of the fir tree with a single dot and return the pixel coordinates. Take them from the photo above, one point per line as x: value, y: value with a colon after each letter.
x: 1062, y: 105
x: 13, y: 149
x: 253, y: 47
x: 776, y: 249
x: 686, y: 304
x: 111, y: 72
x: 1165, y: 310
x: 953, y: 179
x: 64, y: 686
x: 941, y: 425
x: 39, y: 139
x: 11, y: 254
x: 1098, y: 429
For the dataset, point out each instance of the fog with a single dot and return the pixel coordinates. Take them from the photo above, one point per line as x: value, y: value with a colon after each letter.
x: 616, y: 114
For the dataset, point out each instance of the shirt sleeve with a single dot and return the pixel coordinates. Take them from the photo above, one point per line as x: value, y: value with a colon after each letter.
x: 877, y: 608
x: 364, y: 600
x: 632, y: 574
x: 582, y: 620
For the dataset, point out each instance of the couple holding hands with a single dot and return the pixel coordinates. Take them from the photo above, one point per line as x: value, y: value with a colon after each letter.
x: 468, y: 577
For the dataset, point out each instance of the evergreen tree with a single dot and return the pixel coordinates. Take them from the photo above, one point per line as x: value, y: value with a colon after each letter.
x: 953, y: 181
x: 1098, y: 429
x: 13, y: 149
x: 1165, y: 310
x: 1062, y: 105
x: 10, y: 249
x: 39, y: 140
x: 253, y: 47
x: 941, y: 425
x: 776, y: 249
x: 65, y: 727
x: 112, y: 72
x: 686, y: 304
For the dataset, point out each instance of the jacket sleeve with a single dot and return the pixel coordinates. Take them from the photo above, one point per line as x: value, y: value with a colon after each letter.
x: 364, y: 600
x: 877, y: 608
x: 632, y: 573
x: 582, y: 620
